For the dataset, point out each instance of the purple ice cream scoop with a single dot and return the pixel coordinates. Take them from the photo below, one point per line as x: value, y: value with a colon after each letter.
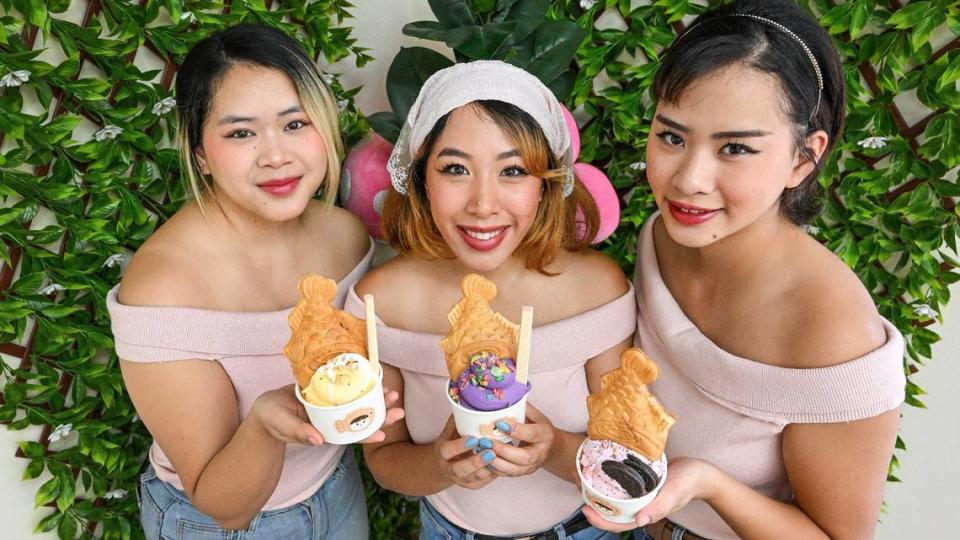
x: 489, y: 383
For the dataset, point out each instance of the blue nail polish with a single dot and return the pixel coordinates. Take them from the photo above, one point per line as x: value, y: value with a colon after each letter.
x: 471, y: 442
x: 488, y: 456
x: 503, y: 426
x: 486, y: 443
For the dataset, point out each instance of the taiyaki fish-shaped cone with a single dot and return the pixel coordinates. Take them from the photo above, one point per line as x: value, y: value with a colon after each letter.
x: 624, y: 410
x: 319, y: 331
x: 475, y: 327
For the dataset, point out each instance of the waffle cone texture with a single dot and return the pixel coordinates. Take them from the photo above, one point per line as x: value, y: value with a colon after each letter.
x: 475, y: 327
x: 624, y: 410
x: 319, y: 331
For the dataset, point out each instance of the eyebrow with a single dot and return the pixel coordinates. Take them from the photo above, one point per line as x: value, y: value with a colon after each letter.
x: 460, y: 153
x: 738, y: 134
x: 236, y: 119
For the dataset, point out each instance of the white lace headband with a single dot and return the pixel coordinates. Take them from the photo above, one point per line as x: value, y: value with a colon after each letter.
x: 465, y: 83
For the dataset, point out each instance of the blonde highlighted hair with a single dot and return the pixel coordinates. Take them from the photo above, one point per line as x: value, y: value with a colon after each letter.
x: 203, y: 70
x: 408, y: 226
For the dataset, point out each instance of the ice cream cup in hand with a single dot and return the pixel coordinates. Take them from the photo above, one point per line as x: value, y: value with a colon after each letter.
x: 473, y: 423
x: 614, y: 472
x: 350, y: 422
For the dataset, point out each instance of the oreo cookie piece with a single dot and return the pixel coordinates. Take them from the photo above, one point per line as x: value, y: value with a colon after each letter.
x: 650, y: 476
x: 634, y: 476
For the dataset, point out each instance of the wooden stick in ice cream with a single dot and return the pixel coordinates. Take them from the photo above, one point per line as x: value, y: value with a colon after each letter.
x: 373, y: 355
x: 523, y: 345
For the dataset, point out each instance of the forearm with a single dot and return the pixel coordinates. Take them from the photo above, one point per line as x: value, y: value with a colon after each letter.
x: 407, y: 468
x: 240, y: 478
x: 753, y: 515
x: 563, y: 456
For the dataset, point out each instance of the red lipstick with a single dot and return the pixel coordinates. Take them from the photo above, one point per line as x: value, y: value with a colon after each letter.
x: 280, y: 186
x: 688, y: 214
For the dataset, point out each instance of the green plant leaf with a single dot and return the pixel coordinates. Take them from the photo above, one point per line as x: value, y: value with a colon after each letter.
x: 48, y: 492
x: 67, y: 492
x: 431, y: 30
x: 480, y: 42
x: 453, y: 13
x: 409, y: 70
x: 549, y: 51
x: 67, y: 530
x: 386, y: 125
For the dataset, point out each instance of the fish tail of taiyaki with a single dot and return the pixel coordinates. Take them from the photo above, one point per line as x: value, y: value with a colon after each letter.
x: 476, y: 286
x: 315, y: 290
x: 635, y: 360
x: 476, y: 289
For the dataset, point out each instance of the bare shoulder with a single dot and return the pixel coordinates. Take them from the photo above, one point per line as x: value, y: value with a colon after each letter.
x: 165, y: 271
x: 408, y: 290
x: 343, y: 231
x: 835, y: 317
x: 597, y: 278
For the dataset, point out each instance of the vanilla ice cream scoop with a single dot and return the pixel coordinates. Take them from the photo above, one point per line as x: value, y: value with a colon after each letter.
x: 341, y: 380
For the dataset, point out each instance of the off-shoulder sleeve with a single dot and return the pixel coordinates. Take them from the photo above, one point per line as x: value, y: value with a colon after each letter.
x: 553, y: 346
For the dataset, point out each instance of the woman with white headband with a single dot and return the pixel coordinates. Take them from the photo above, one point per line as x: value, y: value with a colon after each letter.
x: 785, y: 381
x: 484, y: 184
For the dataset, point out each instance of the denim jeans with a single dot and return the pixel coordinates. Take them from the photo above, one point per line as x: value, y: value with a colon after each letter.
x: 434, y: 526
x: 336, y: 511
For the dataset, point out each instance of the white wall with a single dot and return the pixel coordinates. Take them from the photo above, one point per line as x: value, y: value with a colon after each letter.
x: 922, y: 505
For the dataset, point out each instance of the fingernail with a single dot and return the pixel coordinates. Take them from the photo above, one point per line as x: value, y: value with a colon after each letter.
x: 488, y: 456
x: 503, y: 426
x: 471, y: 442
x: 486, y: 443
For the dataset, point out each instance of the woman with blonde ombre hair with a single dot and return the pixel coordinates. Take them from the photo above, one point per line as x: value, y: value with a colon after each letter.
x: 483, y: 183
x: 200, y: 318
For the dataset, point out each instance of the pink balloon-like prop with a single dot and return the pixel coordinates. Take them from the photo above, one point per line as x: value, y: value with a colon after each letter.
x: 608, y: 205
x: 365, y: 182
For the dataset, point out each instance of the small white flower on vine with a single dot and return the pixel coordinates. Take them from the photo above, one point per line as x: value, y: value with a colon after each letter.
x: 812, y: 230
x: 925, y: 311
x: 15, y: 78
x: 638, y: 166
x: 113, y: 260
x: 873, y: 142
x: 188, y: 16
x: 52, y: 288
x: 108, y: 132
x: 587, y: 4
x: 342, y: 104
x: 327, y: 78
x: 115, y: 494
x: 60, y: 432
x: 164, y: 106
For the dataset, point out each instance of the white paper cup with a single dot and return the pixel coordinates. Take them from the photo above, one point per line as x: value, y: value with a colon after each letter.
x: 350, y: 422
x: 619, y: 510
x: 471, y: 423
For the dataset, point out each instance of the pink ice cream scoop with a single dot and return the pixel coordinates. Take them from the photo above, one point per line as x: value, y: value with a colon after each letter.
x: 613, y: 470
x: 488, y: 383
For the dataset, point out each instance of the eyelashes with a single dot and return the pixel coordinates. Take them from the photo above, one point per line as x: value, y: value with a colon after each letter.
x: 243, y: 133
x: 457, y: 169
x: 671, y: 138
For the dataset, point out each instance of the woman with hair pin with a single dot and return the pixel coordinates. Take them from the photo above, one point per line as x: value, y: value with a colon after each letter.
x: 200, y: 318
x: 483, y: 184
x: 785, y: 381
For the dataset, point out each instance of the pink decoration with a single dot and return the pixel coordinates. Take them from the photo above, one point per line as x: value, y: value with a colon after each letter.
x: 364, y: 182
x: 603, y: 193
